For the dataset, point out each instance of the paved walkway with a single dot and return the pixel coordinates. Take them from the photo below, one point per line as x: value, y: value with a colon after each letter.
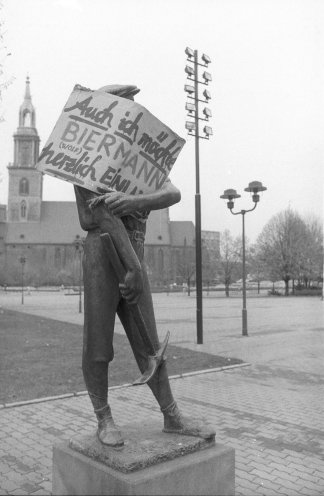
x: 271, y: 411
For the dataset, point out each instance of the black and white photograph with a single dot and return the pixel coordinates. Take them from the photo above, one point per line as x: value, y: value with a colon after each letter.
x: 161, y: 247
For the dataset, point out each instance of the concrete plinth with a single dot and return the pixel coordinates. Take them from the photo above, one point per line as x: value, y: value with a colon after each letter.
x: 150, y: 463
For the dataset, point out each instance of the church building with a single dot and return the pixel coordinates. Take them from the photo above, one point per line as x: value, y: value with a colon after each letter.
x: 42, y: 238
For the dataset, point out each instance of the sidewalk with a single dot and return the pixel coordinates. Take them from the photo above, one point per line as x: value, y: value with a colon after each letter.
x: 271, y: 411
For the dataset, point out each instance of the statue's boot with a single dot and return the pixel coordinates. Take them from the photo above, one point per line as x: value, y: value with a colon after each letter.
x: 107, y: 432
x: 177, y: 423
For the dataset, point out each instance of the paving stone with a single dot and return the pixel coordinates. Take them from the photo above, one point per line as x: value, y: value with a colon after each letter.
x: 250, y: 486
x: 315, y: 479
x: 283, y: 482
x: 261, y: 475
x: 18, y: 492
x: 29, y: 487
x: 280, y: 466
x: 14, y: 477
x: 311, y: 486
x: 268, y: 486
x: 41, y: 492
x: 239, y: 491
x: 7, y: 485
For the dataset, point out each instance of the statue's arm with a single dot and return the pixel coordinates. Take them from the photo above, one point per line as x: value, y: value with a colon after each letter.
x: 121, y: 204
x: 109, y: 223
x: 132, y: 286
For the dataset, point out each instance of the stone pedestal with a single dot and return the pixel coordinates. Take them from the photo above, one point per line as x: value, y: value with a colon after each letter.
x: 150, y: 463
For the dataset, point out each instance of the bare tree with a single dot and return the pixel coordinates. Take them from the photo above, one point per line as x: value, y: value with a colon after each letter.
x: 186, y: 270
x: 229, y: 259
x: 281, y: 246
x: 255, y: 265
x: 311, y: 265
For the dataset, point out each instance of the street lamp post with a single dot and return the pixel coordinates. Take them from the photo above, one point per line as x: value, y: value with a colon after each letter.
x: 22, y: 260
x: 230, y: 194
x: 78, y: 243
x: 193, y: 130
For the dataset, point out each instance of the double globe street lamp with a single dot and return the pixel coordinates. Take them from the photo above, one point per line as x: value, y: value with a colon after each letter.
x: 255, y: 187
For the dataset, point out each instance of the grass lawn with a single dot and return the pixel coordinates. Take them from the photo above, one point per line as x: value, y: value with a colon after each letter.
x: 42, y: 357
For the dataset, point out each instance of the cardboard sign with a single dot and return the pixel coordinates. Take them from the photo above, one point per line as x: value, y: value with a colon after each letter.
x: 103, y: 142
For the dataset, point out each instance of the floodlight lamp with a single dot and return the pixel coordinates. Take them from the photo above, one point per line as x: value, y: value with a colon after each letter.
x: 189, y: 52
x: 189, y: 89
x: 190, y: 107
x: 207, y: 76
x: 189, y: 70
x: 207, y: 95
x: 206, y: 59
x: 208, y: 131
x: 207, y: 112
x: 191, y: 126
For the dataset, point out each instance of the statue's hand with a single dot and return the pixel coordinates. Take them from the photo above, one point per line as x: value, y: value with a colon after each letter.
x: 132, y: 287
x: 121, y: 204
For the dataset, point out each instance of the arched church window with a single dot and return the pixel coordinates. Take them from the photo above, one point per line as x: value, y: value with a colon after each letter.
x: 23, y: 209
x: 178, y: 258
x: 160, y: 261
x: 58, y: 257
x: 24, y: 186
x: 27, y: 119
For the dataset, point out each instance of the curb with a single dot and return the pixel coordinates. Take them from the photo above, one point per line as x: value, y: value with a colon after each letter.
x: 121, y: 386
x: 207, y: 371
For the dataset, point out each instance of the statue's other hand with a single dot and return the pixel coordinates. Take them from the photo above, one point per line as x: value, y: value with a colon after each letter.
x: 94, y: 202
x: 123, y: 90
x: 132, y: 287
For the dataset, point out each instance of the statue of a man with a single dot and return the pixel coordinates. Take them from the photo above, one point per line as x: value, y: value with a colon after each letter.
x: 124, y: 218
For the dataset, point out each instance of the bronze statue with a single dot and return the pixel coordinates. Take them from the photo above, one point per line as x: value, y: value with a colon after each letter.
x: 123, y: 217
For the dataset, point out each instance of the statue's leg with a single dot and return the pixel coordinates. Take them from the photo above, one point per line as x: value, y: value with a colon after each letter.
x: 101, y: 296
x: 159, y: 384
x: 174, y: 421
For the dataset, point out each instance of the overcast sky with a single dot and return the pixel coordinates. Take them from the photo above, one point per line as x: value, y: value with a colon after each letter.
x: 267, y: 89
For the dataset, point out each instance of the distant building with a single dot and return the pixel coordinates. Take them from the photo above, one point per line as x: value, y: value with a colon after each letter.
x: 44, y: 231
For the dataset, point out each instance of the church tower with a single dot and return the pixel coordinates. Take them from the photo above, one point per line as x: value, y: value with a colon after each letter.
x: 25, y: 182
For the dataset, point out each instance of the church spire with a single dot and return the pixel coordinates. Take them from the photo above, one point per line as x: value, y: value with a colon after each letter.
x: 27, y: 90
x: 25, y: 181
x: 26, y: 137
x: 27, y: 114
